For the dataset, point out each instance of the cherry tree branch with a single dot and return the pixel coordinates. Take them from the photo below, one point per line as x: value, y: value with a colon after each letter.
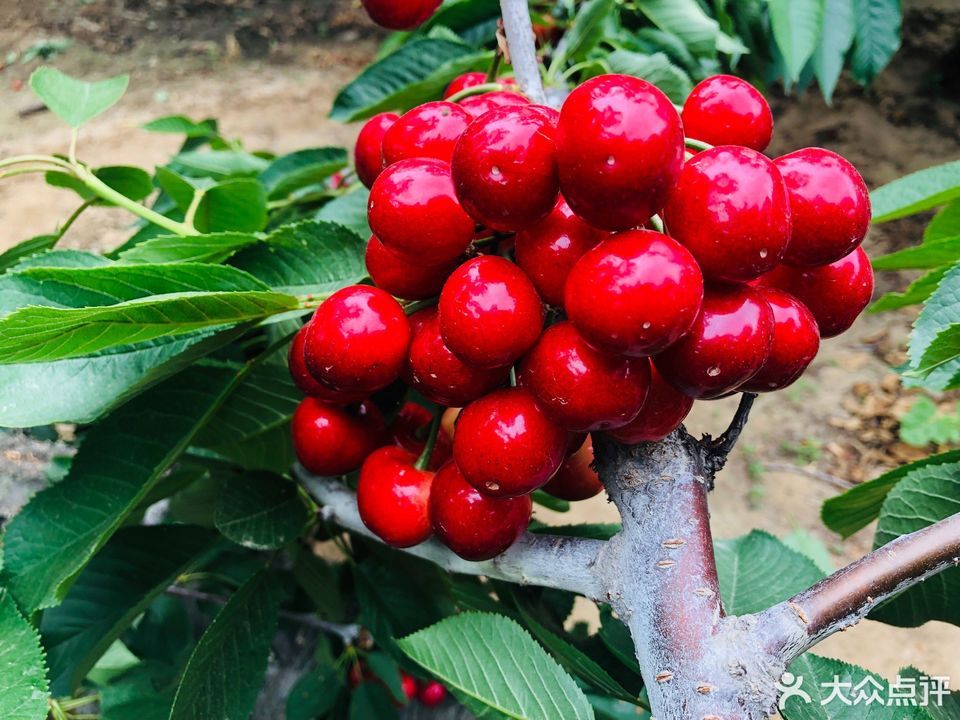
x: 523, y: 48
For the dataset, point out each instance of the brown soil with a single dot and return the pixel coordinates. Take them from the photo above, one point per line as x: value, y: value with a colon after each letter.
x: 197, y: 58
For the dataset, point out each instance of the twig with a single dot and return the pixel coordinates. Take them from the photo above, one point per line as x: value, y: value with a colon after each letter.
x: 833, y: 480
x: 523, y: 48
x: 719, y: 450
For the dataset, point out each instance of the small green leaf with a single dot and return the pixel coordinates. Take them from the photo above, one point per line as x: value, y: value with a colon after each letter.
x: 302, y: 168
x: 685, y: 19
x: 219, y: 163
x: 260, y: 510
x: 180, y: 188
x: 797, y: 27
x: 932, y: 254
x: 839, y: 29
x: 349, y: 210
x: 878, y: 36
x: 27, y: 248
x: 939, y: 314
x: 922, y: 424
x: 178, y: 124
x: 916, y: 192
x: 210, y: 248
x: 239, y: 205
x: 75, y: 101
x: 23, y: 682
x: 226, y: 669
x: 520, y: 680
x: 131, y: 182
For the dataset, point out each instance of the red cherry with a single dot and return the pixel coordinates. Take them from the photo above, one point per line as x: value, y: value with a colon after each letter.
x: 506, y: 446
x: 430, y: 130
x: 725, y: 110
x: 432, y: 694
x: 581, y: 388
x: 462, y: 82
x: 576, y: 479
x: 796, y: 340
x: 547, y: 251
x: 410, y: 428
x: 400, y: 14
x: 490, y: 313
x: 438, y: 374
x: 394, y: 274
x: 368, y: 152
x: 664, y: 410
x: 726, y: 347
x: 414, y: 211
x: 480, y: 105
x: 331, y: 440
x: 836, y: 294
x: 730, y: 210
x: 409, y: 685
x: 305, y: 382
x: 619, y: 151
x: 358, y: 340
x: 505, y: 168
x: 393, y: 496
x: 474, y: 526
x: 829, y: 206
x: 635, y: 293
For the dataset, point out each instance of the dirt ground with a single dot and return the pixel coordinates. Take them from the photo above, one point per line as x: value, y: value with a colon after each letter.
x: 270, y: 75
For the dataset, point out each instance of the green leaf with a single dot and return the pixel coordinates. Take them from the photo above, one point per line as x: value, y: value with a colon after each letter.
x: 210, y: 248
x: 858, y: 507
x: 743, y: 566
x: 932, y: 254
x: 35, y: 334
x: 112, y: 591
x: 924, y: 497
x: 219, y: 163
x: 302, y: 168
x: 685, y: 19
x: 917, y: 292
x: 656, y: 69
x: 615, y: 636
x: 23, y: 682
x: 943, y: 349
x: 320, y: 580
x: 120, y: 459
x: 180, y: 188
x: 550, y: 502
x: 260, y: 510
x: 945, y: 224
x: 131, y: 182
x: 314, y: 695
x: 178, y: 124
x: 135, y: 695
x: 922, y: 424
x: 226, y: 669
x: 916, y: 192
x: 388, y: 672
x: 585, y: 33
x: 878, y: 37
x: 519, y: 680
x: 75, y: 101
x: 308, y: 258
x: 417, y: 72
x: 371, y: 700
x: 839, y: 29
x: 796, y: 28
x: 26, y: 249
x: 812, y: 547
x: 942, y: 310
x: 239, y: 205
x: 596, y: 531
x: 349, y: 210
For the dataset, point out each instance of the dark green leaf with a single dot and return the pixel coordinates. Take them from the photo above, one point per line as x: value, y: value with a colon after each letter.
x: 550, y: 502
x: 388, y: 672
x: 932, y: 254
x: 839, y: 29
x: 656, y: 69
x: 349, y: 210
x: 314, y: 695
x: 135, y: 695
x: 302, y: 168
x: 878, y: 36
x: 27, y: 248
x: 75, y: 101
x: 685, y: 19
x: 180, y: 188
x: 585, y: 33
x: 23, y: 682
x: 226, y: 669
x: 916, y: 192
x: 219, y: 163
x: 597, y: 531
x: 796, y: 27
x: 212, y: 248
x: 260, y: 510
x: 945, y: 224
x: 239, y: 205
x: 371, y: 700
x: 115, y: 588
x: 320, y: 580
x: 179, y: 124
x: 615, y: 635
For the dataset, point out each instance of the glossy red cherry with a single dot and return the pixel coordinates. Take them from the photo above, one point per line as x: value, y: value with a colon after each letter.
x: 305, y: 382
x: 725, y: 110
x: 474, y: 526
x: 358, y: 340
x: 726, y: 347
x: 796, y: 341
x: 368, y: 152
x: 393, y: 497
x: 400, y: 14
x: 836, y: 294
x: 414, y: 211
x: 410, y: 429
x: 581, y: 388
x: 665, y: 408
x: 635, y: 293
x: 505, y: 168
x: 470, y: 80
x: 829, y: 206
x: 548, y: 250
x: 332, y: 440
x: 480, y: 105
x: 439, y: 375
x: 409, y: 685
x: 619, y: 151
x: 505, y: 445
x: 430, y: 130
x: 393, y: 273
x: 730, y: 209
x: 432, y: 694
x: 490, y: 313
x: 576, y: 479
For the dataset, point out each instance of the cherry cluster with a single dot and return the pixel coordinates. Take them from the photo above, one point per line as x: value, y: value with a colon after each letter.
x: 595, y: 269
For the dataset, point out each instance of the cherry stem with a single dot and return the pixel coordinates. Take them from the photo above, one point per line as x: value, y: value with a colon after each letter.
x: 494, y: 67
x: 423, y: 462
x: 657, y: 223
x: 697, y: 144
x: 476, y: 90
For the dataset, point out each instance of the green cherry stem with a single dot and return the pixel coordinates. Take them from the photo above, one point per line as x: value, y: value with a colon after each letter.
x: 697, y: 144
x: 475, y: 90
x: 657, y: 223
x: 423, y: 462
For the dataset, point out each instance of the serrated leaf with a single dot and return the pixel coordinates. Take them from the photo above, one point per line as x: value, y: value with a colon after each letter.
x: 349, y: 210
x: 308, y: 258
x: 858, y: 507
x: 920, y: 499
x: 839, y: 30
x: 796, y: 27
x: 302, y: 168
x: 585, y: 32
x: 120, y: 459
x: 685, y: 19
x: 917, y: 292
x: 209, y: 248
x: 520, y: 680
x: 260, y: 510
x: 26, y: 249
x: 239, y: 205
x: 932, y: 254
x: 922, y: 425
x: 656, y: 69
x: 179, y: 124
x: 413, y: 74
x: 75, y: 101
x: 916, y: 192
x: 226, y: 669
x: 878, y: 36
x: 115, y: 588
x: 743, y: 566
x: 23, y: 682
x: 219, y: 163
x: 941, y: 311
